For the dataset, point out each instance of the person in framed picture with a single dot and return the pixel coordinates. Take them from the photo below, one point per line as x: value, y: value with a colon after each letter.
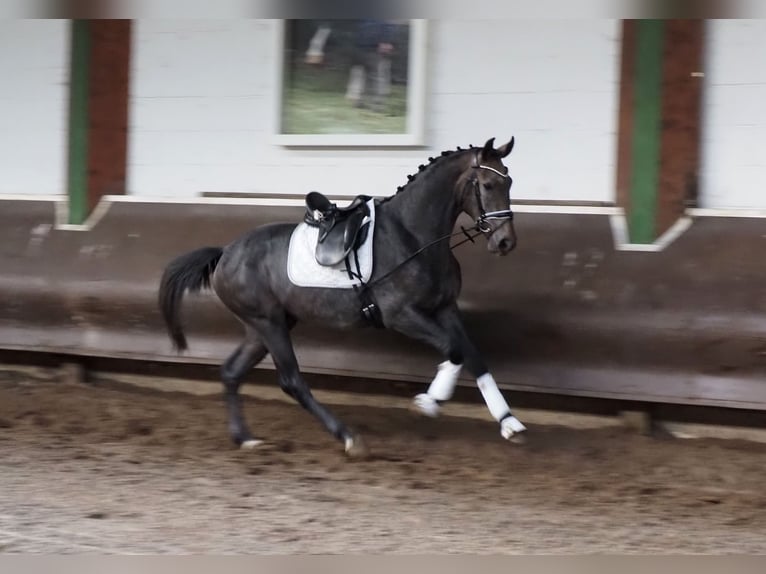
x: 369, y: 82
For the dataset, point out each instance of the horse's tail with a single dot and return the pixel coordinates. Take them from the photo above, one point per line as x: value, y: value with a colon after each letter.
x: 192, y: 272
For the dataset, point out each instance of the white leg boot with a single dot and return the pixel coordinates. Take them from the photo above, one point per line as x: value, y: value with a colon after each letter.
x: 440, y: 389
x: 498, y: 408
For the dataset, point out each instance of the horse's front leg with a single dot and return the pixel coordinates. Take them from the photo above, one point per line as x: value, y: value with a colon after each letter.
x: 440, y: 390
x: 415, y: 324
x: 446, y: 333
x: 510, y: 426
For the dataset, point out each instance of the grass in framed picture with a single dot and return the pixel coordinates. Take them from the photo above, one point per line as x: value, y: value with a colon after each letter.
x: 348, y: 82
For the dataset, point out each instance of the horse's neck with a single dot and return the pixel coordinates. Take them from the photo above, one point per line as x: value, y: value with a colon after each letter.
x: 430, y: 207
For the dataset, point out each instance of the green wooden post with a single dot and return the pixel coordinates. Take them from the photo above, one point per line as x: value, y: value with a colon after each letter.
x: 77, y: 178
x: 646, y: 137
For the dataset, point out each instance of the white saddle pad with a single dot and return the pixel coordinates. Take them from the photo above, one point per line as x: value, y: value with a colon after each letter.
x: 304, y: 271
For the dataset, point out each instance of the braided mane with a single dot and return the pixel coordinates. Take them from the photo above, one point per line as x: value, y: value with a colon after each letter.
x: 422, y: 167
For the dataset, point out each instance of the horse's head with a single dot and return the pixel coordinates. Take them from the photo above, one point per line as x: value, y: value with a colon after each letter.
x: 487, y: 196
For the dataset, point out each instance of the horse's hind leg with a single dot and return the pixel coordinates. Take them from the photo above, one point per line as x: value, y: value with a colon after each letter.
x: 248, y: 354
x: 277, y: 338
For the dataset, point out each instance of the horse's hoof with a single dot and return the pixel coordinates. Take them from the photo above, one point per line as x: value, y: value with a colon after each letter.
x: 250, y: 444
x: 355, y: 448
x: 425, y: 404
x: 518, y: 438
x: 513, y: 430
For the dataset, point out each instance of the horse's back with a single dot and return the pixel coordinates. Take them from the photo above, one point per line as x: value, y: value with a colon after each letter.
x: 252, y: 278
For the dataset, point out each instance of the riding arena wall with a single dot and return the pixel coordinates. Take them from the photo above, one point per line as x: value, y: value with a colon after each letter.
x: 586, y: 306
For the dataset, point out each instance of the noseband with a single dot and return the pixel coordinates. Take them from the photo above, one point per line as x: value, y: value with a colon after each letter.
x: 482, y: 222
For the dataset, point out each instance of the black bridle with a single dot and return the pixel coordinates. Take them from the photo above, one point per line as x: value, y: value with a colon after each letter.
x: 486, y: 216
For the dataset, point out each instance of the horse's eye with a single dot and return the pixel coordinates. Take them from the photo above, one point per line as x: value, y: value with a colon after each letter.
x: 488, y: 185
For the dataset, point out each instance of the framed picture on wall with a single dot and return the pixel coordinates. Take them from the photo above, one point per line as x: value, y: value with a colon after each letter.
x: 350, y: 82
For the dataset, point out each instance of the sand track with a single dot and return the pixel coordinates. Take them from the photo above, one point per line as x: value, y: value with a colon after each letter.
x: 111, y: 469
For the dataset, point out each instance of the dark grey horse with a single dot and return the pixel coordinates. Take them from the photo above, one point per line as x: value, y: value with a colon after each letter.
x: 416, y: 296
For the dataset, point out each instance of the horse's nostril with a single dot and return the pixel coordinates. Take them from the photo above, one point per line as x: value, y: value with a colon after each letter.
x: 505, y: 245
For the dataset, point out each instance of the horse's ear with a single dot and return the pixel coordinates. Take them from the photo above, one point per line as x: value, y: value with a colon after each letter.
x: 504, y: 150
x: 488, y: 148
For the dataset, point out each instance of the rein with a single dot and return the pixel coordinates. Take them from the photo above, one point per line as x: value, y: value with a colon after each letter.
x: 370, y: 309
x: 463, y: 231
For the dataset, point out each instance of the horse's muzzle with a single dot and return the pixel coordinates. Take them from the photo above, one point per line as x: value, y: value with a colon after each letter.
x: 505, y: 246
x: 503, y: 239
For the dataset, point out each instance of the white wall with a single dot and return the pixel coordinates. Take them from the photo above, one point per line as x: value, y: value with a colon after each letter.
x: 734, y: 119
x: 34, y: 58
x: 201, y: 110
x: 554, y: 84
